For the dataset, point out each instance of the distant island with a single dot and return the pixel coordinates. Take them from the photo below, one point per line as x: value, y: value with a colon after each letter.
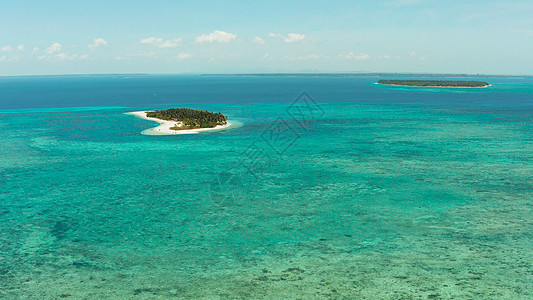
x: 183, y: 121
x: 436, y: 83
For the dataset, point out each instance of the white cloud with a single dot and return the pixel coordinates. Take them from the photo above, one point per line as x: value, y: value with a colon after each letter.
x: 6, y: 49
x: 312, y: 56
x: 170, y: 43
x: 305, y: 57
x: 351, y: 55
x: 151, y: 40
x: 216, y: 36
x: 159, y: 42
x: 20, y: 47
x: 258, y: 40
x: 184, y: 56
x: 54, y: 53
x: 294, y: 38
x: 54, y: 48
x: 386, y: 56
x: 290, y: 38
x: 3, y: 58
x: 63, y: 56
x: 97, y: 43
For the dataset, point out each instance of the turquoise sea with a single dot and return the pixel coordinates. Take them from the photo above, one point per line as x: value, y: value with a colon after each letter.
x: 348, y: 191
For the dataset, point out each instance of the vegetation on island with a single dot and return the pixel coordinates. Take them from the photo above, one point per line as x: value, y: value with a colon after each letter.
x: 189, y: 118
x: 435, y: 83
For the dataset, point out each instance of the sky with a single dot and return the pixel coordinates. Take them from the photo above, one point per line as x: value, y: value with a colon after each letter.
x: 163, y: 36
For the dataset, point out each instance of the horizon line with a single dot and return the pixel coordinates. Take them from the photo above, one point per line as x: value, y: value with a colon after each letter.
x: 305, y: 74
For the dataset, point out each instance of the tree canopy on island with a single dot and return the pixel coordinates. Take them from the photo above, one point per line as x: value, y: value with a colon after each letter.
x: 190, y: 118
x: 438, y: 83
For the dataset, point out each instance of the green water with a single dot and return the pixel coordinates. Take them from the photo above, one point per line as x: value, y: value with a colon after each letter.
x: 375, y: 193
x: 365, y: 201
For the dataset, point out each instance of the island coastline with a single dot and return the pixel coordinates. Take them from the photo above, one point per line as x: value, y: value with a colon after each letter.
x: 437, y: 86
x: 164, y: 126
x: 434, y: 83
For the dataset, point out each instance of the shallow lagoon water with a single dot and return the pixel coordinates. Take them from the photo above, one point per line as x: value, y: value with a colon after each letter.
x: 383, y: 194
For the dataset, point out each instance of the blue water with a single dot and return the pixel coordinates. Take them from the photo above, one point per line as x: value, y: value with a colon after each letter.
x: 373, y: 193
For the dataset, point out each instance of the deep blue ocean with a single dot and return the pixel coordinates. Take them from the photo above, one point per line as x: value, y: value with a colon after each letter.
x: 326, y: 188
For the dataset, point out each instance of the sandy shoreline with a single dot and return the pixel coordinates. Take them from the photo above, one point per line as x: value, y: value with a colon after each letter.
x: 164, y: 126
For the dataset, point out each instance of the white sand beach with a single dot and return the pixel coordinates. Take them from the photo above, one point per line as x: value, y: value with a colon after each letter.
x: 164, y: 126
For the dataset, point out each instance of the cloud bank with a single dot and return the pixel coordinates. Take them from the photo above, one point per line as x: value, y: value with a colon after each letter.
x: 351, y: 55
x: 97, y: 43
x: 290, y: 38
x: 54, y: 48
x: 216, y: 36
x: 159, y: 42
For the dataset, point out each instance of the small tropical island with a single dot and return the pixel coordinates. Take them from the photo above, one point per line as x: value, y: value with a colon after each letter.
x: 436, y: 83
x: 183, y: 121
